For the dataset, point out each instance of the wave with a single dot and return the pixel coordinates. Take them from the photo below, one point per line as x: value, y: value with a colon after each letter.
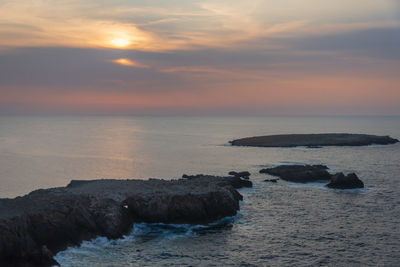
x: 142, y: 232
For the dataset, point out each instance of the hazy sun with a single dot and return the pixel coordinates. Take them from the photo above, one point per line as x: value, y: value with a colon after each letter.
x: 120, y: 42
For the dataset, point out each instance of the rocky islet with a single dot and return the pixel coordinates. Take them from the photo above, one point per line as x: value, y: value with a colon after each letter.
x: 314, y: 140
x: 312, y: 173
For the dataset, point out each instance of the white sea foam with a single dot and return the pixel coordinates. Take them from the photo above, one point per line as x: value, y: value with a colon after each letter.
x: 99, y: 245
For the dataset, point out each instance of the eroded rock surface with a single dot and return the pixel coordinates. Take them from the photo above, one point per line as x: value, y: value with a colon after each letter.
x: 36, y: 226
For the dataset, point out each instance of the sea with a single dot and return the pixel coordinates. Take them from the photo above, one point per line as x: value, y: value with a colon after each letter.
x: 279, y: 224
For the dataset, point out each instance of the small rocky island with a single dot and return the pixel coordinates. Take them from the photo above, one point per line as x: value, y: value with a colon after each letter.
x: 36, y: 226
x: 299, y: 173
x: 312, y: 173
x: 314, y: 140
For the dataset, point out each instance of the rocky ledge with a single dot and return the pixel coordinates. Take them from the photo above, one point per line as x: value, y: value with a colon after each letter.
x: 312, y: 173
x: 36, y: 226
x: 314, y: 140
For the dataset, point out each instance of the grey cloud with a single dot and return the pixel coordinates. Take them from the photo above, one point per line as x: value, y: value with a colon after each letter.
x: 382, y: 43
x: 73, y: 67
x: 92, y: 69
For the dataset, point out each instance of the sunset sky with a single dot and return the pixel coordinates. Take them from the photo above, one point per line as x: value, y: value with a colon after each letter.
x: 200, y: 57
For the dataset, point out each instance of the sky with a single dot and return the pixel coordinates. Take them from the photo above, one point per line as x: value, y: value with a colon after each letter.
x: 268, y: 57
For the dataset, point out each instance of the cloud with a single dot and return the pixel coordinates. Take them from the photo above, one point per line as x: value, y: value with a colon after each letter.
x: 375, y: 42
x: 77, y: 69
x: 183, y: 54
x: 173, y: 25
x: 62, y: 68
x: 130, y: 63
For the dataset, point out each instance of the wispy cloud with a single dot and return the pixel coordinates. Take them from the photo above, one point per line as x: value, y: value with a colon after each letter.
x: 130, y: 63
x: 183, y: 24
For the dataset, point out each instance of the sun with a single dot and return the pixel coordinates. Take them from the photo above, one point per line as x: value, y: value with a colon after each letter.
x: 120, y: 42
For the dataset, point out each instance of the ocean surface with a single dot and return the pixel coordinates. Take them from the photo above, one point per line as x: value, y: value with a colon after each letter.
x: 282, y: 224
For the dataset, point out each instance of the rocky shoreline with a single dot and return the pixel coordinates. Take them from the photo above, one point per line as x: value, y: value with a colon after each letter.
x: 33, y: 228
x: 314, y: 140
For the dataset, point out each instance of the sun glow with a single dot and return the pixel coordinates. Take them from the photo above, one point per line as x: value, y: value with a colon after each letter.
x: 120, y: 42
x: 130, y: 63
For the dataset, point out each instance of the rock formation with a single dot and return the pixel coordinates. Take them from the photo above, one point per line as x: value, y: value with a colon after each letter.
x: 314, y: 140
x: 341, y: 181
x: 244, y: 175
x: 299, y: 173
x: 271, y: 180
x: 36, y: 226
x: 311, y: 173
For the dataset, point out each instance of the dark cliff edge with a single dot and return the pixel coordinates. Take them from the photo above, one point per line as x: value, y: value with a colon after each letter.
x: 33, y: 228
x: 314, y: 140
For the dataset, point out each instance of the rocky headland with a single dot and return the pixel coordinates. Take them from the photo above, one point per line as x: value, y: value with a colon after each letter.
x: 36, y: 226
x: 312, y: 173
x: 314, y: 140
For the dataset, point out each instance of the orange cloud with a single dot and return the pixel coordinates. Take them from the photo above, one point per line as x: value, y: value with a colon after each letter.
x: 130, y: 63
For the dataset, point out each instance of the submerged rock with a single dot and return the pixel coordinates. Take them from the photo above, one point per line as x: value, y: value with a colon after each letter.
x: 299, y: 173
x: 271, y: 180
x: 314, y: 140
x: 341, y: 181
x: 36, y: 226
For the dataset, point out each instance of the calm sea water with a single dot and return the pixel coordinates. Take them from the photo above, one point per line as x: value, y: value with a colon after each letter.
x: 279, y: 224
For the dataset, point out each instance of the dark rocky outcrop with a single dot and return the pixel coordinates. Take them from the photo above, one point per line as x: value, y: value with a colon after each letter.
x: 299, y: 173
x: 311, y: 173
x: 244, y: 175
x: 36, y: 226
x: 314, y: 140
x: 271, y: 180
x: 234, y: 181
x: 341, y: 181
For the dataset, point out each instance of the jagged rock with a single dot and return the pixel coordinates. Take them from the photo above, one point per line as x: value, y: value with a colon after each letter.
x: 299, y: 173
x: 36, y: 226
x: 341, y: 181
